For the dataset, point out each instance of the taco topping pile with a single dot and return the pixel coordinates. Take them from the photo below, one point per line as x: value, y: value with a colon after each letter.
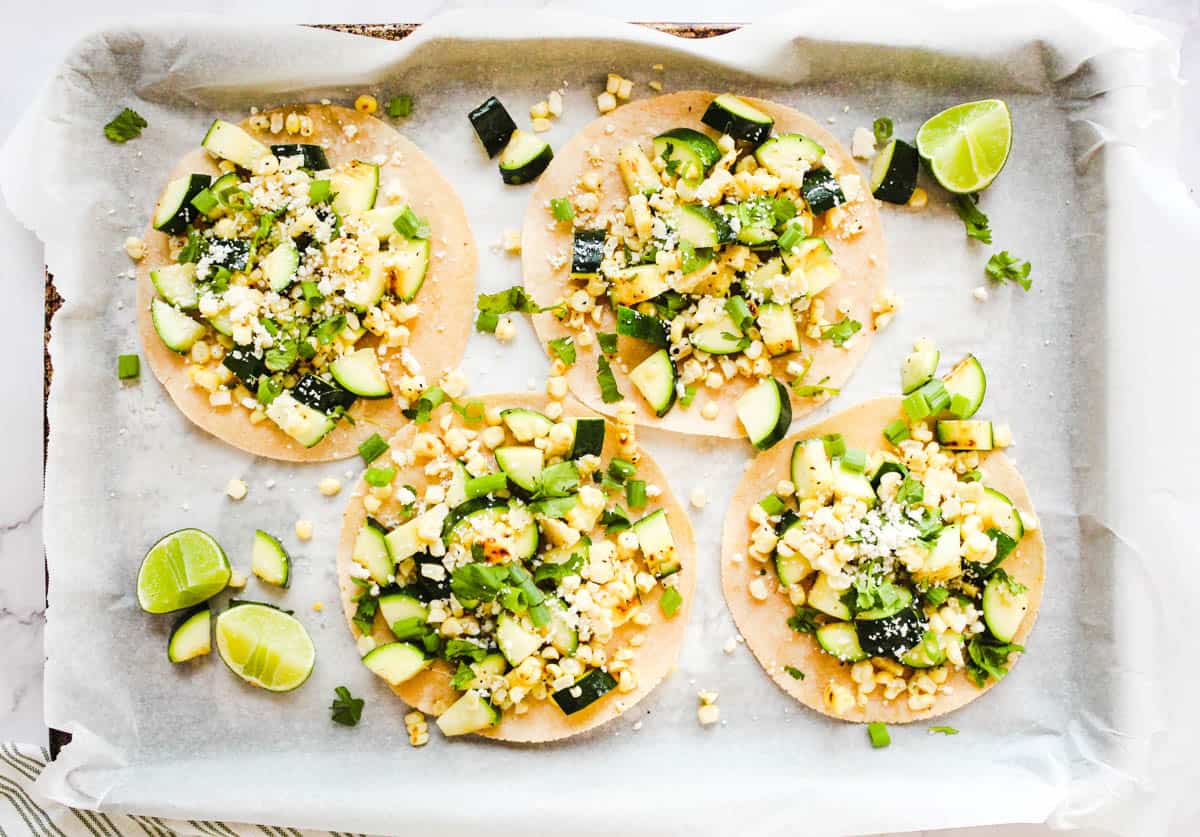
x: 894, y: 559
x: 294, y: 281
x: 516, y: 563
x: 716, y: 256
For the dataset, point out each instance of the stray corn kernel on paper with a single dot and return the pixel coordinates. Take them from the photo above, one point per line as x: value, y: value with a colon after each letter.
x: 1076, y: 366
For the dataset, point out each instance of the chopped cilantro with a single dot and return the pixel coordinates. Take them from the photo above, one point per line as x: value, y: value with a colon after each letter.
x: 364, y: 613
x: 814, y: 390
x: 281, y: 356
x: 670, y: 602
x: 399, y: 106
x: 561, y: 209
x: 557, y: 572
x: 973, y: 219
x: 563, y: 348
x: 372, y: 448
x: 461, y: 649
x: 615, y: 519
x: 607, y: 341
x: 842, y: 331
x: 462, y: 678
x: 1003, y: 266
x: 346, y: 708
x: 478, y: 581
x: 193, y: 249
x: 268, y: 390
x: 988, y: 658
x: 882, y: 128
x: 692, y: 258
x: 803, y: 621
x: 783, y: 209
x: 125, y: 126
x: 609, y: 392
x: 795, y: 673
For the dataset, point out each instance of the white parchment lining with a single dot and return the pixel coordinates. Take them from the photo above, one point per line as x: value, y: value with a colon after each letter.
x: 1093, y: 368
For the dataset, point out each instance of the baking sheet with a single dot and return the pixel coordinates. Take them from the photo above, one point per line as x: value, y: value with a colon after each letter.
x: 1077, y: 734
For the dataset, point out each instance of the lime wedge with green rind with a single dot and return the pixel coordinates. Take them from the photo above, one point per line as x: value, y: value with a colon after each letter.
x: 265, y: 646
x: 182, y: 570
x: 967, y: 145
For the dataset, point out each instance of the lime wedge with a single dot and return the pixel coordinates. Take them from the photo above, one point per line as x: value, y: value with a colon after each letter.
x: 183, y: 569
x: 265, y: 646
x: 967, y: 145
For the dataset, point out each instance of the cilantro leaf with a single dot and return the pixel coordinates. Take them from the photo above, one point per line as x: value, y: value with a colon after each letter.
x: 461, y: 649
x: 563, y: 348
x: 125, y: 126
x: 347, y: 709
x: 795, y: 673
x: 988, y: 658
x: 607, y: 341
x: 973, y: 219
x: 803, y: 621
x: 462, y: 678
x: 1003, y: 266
x: 478, y: 582
x: 615, y: 519
x: 557, y: 572
x: 813, y: 390
x: 364, y: 614
x: 842, y: 331
x: 194, y: 248
x: 608, y: 381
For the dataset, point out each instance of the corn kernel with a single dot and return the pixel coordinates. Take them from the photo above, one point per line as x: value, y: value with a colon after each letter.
x: 366, y: 104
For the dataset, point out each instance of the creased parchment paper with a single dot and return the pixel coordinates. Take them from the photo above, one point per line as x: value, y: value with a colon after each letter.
x: 1093, y: 368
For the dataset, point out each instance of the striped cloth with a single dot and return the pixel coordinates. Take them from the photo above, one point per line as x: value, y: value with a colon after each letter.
x: 23, y: 813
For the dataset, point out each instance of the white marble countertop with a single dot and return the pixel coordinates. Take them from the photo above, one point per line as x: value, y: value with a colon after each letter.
x: 38, y: 34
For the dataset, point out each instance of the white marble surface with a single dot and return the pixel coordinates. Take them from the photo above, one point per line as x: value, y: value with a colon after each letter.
x: 37, y: 36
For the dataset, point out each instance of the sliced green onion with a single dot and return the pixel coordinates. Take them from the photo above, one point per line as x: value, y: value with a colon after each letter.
x: 790, y: 237
x: 410, y: 226
x: 854, y: 459
x: 379, y: 477
x: 739, y: 311
x: 486, y: 484
x: 312, y: 295
x: 399, y: 106
x: 936, y: 396
x: 882, y: 128
x: 372, y: 448
x: 561, y: 209
x: 689, y: 395
x: 897, y: 431
x: 916, y: 407
x: 539, y: 615
x: 128, y: 366
x: 879, y: 735
x: 944, y: 730
x: 205, y: 201
x: 670, y: 602
x: 772, y: 504
x: 835, y: 445
x: 320, y: 191
x: 635, y: 493
x: 621, y: 469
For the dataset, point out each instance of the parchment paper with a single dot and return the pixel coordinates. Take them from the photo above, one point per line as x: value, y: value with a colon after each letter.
x: 1093, y: 368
